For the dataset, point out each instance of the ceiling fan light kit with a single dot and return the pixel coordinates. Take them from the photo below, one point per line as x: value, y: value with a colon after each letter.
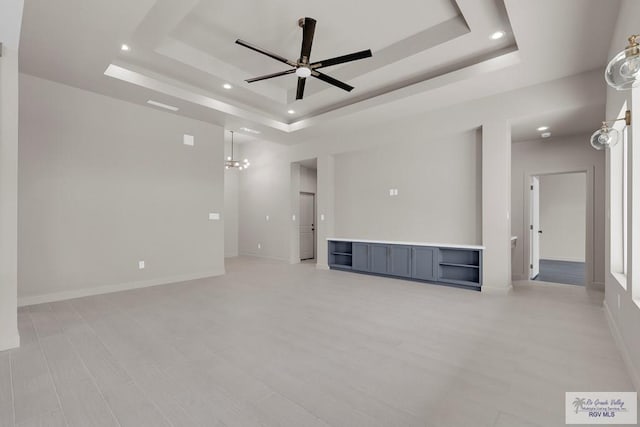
x: 303, y: 68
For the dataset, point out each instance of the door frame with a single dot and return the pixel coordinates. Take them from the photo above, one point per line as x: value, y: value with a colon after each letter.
x: 534, y: 265
x: 294, y: 200
x: 314, y: 225
x: 589, y: 223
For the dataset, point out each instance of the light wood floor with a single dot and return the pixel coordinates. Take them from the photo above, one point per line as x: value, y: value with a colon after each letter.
x: 272, y: 344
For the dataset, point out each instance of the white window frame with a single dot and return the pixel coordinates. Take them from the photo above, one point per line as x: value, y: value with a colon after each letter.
x: 618, y: 208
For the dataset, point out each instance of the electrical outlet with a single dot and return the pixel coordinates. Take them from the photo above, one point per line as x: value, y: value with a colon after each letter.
x: 141, y: 265
x: 259, y: 245
x: 214, y: 216
x: 189, y: 140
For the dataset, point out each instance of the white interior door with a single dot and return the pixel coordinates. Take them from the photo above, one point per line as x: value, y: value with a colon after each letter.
x: 307, y: 226
x: 534, y: 228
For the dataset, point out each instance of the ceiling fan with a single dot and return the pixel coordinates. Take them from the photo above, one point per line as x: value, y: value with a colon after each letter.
x: 302, y: 67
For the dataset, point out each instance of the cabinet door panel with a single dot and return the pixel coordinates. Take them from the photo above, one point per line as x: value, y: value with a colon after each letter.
x: 424, y: 263
x: 400, y: 260
x: 360, y: 254
x: 379, y: 256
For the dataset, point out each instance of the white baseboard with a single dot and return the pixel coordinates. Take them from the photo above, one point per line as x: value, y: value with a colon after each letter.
x: 599, y: 286
x: 626, y: 357
x: 492, y: 290
x: 107, y: 289
x: 561, y: 259
x: 257, y: 255
x: 10, y: 341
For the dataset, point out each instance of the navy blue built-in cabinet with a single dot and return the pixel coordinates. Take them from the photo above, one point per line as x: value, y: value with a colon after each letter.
x: 453, y: 266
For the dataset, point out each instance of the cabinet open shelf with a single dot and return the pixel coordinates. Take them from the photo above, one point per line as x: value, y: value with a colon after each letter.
x: 340, y: 255
x: 451, y: 264
x: 461, y: 283
x: 459, y: 275
x: 341, y: 267
x: 459, y: 257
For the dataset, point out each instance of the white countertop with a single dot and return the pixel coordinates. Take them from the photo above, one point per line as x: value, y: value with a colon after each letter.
x: 392, y: 242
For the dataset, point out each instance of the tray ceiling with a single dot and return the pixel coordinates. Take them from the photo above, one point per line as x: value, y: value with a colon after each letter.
x: 183, y: 52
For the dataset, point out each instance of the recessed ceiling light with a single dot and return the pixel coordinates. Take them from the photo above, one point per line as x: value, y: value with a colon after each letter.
x: 227, y: 86
x: 256, y: 132
x: 497, y: 35
x: 543, y: 128
x: 291, y: 112
x: 161, y: 105
x: 545, y: 135
x: 125, y: 47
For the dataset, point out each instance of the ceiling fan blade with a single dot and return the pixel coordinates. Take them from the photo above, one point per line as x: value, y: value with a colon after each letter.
x: 270, y: 76
x: 342, y: 59
x: 331, y: 80
x: 308, y: 30
x: 300, y: 91
x: 265, y: 52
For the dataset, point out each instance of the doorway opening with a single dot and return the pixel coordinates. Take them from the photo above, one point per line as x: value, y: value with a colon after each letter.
x: 558, y: 228
x: 307, y: 226
x: 304, y: 186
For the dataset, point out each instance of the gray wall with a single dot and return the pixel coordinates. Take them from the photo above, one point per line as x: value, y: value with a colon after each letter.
x: 231, y: 202
x: 265, y: 191
x: 308, y: 180
x: 10, y: 19
x: 563, y: 211
x: 438, y: 183
x: 103, y: 184
x: 558, y: 155
x: 439, y: 190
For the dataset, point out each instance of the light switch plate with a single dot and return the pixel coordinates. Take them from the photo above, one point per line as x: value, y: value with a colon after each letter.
x: 267, y: 217
x: 141, y: 265
x: 189, y: 140
x: 321, y: 217
x: 214, y: 216
x: 259, y: 246
x: 391, y: 192
x: 293, y: 217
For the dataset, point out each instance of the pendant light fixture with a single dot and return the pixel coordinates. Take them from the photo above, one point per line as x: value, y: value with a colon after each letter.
x: 232, y: 163
x: 623, y: 71
x: 607, y: 137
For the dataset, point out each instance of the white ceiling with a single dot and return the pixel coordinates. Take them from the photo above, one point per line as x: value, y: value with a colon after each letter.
x: 561, y: 123
x: 426, y: 54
